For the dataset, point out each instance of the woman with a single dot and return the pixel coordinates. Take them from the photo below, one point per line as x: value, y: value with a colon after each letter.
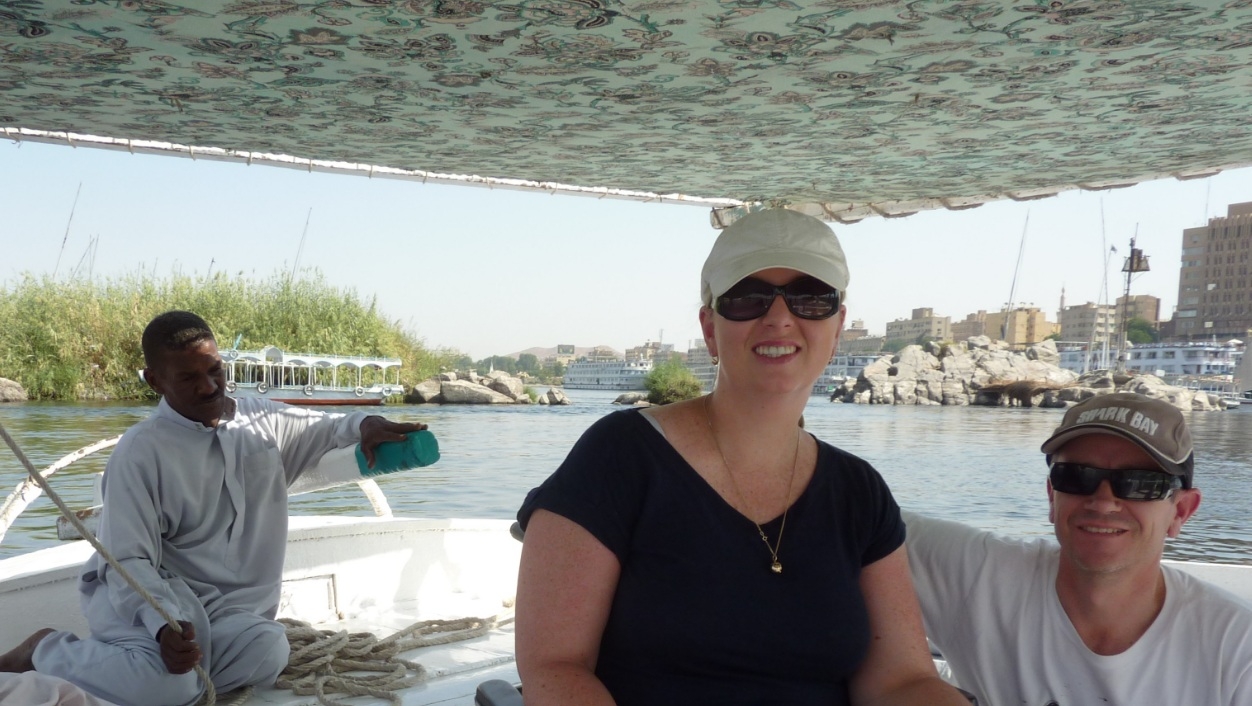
x: 711, y: 551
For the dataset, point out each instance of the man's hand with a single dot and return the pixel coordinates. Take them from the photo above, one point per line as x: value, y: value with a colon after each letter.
x: 179, y: 652
x: 375, y: 430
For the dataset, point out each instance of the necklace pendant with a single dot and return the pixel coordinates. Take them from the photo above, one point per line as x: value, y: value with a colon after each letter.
x: 776, y: 567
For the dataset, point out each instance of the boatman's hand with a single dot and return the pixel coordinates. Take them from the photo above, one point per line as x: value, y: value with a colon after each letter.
x: 375, y: 430
x: 179, y: 652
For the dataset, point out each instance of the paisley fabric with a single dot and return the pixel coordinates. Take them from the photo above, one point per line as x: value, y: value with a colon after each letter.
x: 850, y: 106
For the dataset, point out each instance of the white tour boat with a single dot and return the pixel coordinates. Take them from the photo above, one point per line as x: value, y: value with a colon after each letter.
x: 311, y: 378
x: 842, y: 110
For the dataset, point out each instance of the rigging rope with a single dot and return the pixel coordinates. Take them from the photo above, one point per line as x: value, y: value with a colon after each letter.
x: 210, y: 694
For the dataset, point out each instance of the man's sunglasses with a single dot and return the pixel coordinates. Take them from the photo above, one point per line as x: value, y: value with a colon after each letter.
x: 807, y: 297
x: 1077, y: 479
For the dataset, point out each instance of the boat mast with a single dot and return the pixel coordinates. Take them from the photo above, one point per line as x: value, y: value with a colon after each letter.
x: 1135, y: 263
x: 1008, y: 311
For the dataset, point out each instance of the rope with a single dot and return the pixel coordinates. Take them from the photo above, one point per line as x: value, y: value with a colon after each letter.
x: 210, y: 694
x: 320, y: 658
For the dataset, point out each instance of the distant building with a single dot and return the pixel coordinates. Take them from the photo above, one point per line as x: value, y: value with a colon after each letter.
x: 923, y: 322
x: 1089, y: 323
x: 601, y: 354
x: 650, y: 350
x: 1140, y: 306
x: 564, y: 354
x: 1021, y: 326
x: 855, y: 331
x: 973, y: 325
x: 1214, y: 284
x: 700, y: 363
x: 864, y: 345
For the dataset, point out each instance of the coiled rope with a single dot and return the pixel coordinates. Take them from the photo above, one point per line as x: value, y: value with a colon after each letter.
x: 318, y: 658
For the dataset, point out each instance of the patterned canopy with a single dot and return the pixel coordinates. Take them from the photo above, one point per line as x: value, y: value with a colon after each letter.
x: 840, y: 107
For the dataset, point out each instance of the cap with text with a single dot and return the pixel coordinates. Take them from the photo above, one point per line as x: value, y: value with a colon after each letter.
x: 1154, y: 425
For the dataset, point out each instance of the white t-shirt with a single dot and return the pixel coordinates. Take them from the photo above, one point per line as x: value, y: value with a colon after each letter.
x: 990, y: 606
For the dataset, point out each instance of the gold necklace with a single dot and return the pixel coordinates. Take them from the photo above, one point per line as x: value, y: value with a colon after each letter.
x: 775, y: 564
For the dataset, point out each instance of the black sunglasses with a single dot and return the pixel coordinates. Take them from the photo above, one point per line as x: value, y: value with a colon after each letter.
x: 1134, y: 484
x: 807, y: 297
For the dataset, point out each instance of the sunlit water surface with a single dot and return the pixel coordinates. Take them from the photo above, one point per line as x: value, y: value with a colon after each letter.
x: 978, y: 465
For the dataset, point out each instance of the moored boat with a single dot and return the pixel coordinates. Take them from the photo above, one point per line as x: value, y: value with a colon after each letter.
x: 311, y: 379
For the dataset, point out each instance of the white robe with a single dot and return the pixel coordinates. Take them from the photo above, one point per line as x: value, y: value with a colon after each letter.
x: 198, y: 515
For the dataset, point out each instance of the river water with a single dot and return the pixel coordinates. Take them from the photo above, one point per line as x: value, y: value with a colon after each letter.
x: 977, y: 465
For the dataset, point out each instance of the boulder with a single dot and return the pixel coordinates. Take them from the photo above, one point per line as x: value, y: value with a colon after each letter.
x: 11, y: 391
x: 631, y: 398
x: 507, y: 385
x: 556, y: 396
x: 1044, y: 352
x: 447, y: 376
x: 424, y: 392
x: 466, y: 392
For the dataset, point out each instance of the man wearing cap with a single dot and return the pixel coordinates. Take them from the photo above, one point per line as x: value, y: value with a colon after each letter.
x: 1097, y: 619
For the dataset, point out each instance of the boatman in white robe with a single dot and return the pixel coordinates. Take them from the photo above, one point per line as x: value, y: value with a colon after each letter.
x: 1093, y: 618
x: 195, y: 508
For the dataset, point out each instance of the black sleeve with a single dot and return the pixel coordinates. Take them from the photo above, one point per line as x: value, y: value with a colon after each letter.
x: 873, y: 513
x: 602, y: 482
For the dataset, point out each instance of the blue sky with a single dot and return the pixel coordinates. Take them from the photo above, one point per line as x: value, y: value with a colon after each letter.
x: 494, y: 271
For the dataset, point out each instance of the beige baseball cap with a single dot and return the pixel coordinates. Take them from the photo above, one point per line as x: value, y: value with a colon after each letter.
x: 774, y: 237
x: 1156, y: 426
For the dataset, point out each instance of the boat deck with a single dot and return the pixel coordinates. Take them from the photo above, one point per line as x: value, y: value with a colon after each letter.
x: 455, y: 670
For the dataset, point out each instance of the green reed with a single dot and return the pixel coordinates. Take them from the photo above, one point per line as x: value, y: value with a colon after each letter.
x: 79, y: 339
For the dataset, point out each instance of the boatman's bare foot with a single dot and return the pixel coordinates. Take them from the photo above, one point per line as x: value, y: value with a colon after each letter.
x: 19, y: 659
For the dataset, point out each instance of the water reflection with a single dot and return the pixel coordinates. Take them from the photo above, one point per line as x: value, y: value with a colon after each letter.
x: 975, y: 465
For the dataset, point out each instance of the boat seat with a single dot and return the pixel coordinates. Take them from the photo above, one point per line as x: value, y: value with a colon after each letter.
x: 497, y: 692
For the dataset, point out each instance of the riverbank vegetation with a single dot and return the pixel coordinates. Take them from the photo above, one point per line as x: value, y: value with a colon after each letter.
x: 79, y: 339
x: 671, y: 381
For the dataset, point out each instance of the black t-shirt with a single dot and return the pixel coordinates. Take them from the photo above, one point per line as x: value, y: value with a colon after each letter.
x: 698, y: 617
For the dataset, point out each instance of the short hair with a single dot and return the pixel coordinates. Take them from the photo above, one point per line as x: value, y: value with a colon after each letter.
x: 173, y: 331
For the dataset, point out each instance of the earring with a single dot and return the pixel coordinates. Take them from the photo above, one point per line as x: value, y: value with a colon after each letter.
x: 714, y: 360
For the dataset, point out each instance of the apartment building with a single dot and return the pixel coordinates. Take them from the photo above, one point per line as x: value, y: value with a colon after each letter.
x: 1020, y: 326
x: 974, y: 325
x: 1214, y: 284
x: 1089, y: 323
x: 1140, y: 306
x: 922, y: 323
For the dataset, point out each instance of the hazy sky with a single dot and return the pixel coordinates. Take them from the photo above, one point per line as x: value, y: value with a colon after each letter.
x: 493, y: 272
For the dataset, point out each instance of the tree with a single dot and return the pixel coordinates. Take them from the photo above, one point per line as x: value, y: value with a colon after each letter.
x: 1141, y: 331
x: 528, y: 363
x: 671, y: 381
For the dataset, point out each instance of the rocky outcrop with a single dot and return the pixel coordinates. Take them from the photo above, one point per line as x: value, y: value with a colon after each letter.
x: 11, y: 391
x: 631, y: 398
x: 466, y: 392
x: 980, y: 371
x: 496, y: 387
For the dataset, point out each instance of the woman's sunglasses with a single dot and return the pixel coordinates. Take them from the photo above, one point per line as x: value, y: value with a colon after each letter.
x: 1077, y: 479
x: 807, y: 297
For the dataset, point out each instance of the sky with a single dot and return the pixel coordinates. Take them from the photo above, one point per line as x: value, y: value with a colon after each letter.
x: 493, y: 272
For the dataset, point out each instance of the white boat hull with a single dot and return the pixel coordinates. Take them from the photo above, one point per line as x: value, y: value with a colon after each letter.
x: 372, y: 574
